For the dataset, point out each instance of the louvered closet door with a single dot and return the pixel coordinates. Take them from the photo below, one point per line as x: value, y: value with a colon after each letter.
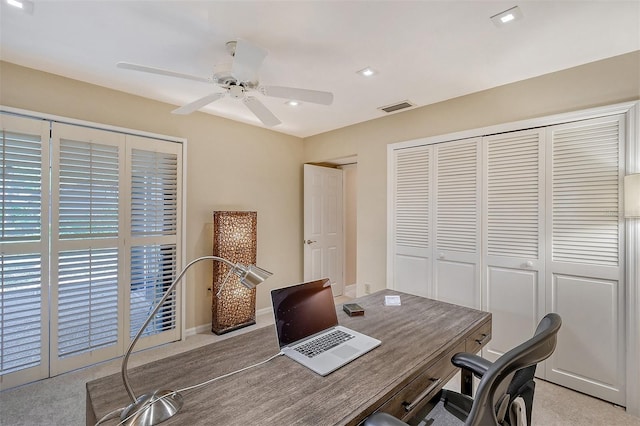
x: 24, y: 293
x: 457, y: 222
x: 583, y: 270
x: 86, y: 246
x: 154, y: 178
x: 513, y: 237
x: 410, y: 218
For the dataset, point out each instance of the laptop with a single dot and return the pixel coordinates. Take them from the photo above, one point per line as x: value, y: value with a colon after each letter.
x: 308, y: 332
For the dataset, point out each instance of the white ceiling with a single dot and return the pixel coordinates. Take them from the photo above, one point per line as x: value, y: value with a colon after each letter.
x: 425, y: 51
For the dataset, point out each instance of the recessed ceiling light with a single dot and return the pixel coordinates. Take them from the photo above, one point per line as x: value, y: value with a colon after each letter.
x: 367, y: 72
x: 507, y: 16
x: 24, y: 5
x: 292, y: 103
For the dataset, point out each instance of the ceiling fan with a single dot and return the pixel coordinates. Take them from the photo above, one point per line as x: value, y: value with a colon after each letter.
x: 239, y: 79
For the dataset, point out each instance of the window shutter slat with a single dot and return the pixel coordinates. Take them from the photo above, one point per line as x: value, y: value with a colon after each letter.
x: 154, y: 203
x: 21, y: 187
x: 152, y: 272
x: 89, y: 177
x: 87, y: 300
x: 20, y: 312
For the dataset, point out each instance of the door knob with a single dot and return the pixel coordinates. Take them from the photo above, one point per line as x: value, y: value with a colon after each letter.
x: 309, y: 241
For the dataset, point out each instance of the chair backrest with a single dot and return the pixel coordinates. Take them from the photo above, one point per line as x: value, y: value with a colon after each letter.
x: 491, y: 396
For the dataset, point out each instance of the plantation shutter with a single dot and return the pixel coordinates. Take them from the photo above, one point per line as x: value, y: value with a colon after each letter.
x: 155, y: 184
x: 23, y: 250
x: 86, y: 248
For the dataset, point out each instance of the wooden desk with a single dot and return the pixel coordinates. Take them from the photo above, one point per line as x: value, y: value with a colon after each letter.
x: 418, y: 340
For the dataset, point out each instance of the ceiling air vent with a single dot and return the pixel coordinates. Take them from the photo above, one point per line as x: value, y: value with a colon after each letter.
x: 396, y: 107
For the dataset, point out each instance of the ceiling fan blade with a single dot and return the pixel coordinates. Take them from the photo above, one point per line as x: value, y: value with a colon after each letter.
x: 261, y: 111
x: 160, y: 71
x: 247, y: 60
x: 196, y: 105
x: 305, y: 95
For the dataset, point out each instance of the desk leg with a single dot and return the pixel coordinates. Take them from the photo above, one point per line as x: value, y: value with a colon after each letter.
x: 466, y: 382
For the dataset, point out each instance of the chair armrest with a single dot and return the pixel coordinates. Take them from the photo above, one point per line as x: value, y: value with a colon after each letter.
x: 474, y: 363
x: 383, y: 419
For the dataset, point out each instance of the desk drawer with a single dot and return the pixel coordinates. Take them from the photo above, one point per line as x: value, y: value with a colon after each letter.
x: 424, y: 387
x: 477, y: 340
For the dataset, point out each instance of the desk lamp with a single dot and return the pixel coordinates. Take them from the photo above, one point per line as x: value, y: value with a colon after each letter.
x: 157, y: 406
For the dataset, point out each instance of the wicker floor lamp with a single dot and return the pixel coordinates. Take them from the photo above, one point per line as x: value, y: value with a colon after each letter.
x: 234, y: 238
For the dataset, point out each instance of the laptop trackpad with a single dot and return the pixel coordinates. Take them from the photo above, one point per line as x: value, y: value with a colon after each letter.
x: 345, y: 351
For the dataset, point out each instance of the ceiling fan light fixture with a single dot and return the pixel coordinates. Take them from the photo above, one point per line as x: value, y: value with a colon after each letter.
x: 367, y: 72
x: 508, y: 16
x: 236, y: 92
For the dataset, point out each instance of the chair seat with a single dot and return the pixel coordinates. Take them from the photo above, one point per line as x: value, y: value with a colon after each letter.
x: 505, y: 390
x: 447, y: 408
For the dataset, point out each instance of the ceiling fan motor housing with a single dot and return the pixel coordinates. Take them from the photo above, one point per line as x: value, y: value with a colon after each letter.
x: 236, y: 91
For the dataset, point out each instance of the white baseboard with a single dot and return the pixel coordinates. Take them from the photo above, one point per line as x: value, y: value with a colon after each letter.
x: 206, y: 328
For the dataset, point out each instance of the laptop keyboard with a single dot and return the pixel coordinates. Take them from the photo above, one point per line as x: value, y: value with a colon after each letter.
x: 323, y: 343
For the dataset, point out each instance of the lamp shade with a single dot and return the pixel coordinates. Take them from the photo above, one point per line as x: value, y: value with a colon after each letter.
x: 252, y: 275
x: 233, y: 303
x: 632, y: 195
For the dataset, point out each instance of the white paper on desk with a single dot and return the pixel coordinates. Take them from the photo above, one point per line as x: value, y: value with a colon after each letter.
x: 392, y: 301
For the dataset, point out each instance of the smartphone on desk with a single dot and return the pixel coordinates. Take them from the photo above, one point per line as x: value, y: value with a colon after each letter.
x: 353, y: 309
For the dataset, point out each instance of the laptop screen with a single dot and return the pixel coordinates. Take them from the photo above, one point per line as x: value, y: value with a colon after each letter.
x: 303, y: 310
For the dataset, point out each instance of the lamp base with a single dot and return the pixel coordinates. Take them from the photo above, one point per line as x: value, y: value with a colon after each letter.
x: 152, y: 408
x: 221, y: 330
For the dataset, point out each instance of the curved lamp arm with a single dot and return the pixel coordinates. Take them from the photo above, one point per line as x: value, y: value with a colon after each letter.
x: 250, y: 276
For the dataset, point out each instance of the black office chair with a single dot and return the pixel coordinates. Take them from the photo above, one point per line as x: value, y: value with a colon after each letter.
x: 501, y: 382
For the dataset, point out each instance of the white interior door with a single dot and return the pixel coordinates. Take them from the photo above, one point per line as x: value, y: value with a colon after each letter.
x: 410, y: 219
x: 323, y: 231
x: 513, y: 237
x: 457, y: 223
x: 584, y: 270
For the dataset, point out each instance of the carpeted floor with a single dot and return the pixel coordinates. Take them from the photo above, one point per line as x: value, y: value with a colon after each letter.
x: 61, y: 400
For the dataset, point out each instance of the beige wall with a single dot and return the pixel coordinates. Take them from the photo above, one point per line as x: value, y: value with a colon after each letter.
x: 216, y: 147
x: 600, y: 83
x: 230, y: 166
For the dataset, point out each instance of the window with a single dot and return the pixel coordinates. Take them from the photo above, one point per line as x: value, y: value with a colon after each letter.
x: 113, y: 246
x: 23, y: 250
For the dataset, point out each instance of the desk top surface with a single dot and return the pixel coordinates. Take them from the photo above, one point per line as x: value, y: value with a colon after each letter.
x: 282, y: 392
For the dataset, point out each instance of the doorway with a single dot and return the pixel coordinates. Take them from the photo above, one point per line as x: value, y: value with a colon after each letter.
x: 318, y: 258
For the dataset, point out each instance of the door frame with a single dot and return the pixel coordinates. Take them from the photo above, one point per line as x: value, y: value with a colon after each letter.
x: 632, y: 226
